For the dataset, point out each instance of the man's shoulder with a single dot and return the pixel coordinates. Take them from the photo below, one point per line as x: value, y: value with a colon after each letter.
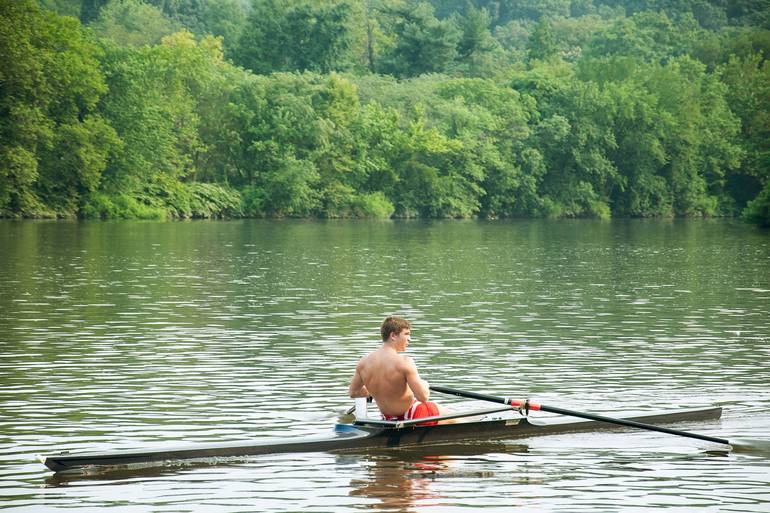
x: 378, y: 355
x: 406, y: 360
x: 367, y: 357
x: 372, y: 356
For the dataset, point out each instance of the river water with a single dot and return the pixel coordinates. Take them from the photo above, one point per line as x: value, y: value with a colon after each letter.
x: 144, y: 334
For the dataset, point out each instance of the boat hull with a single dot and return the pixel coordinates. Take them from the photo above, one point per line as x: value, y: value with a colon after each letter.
x: 354, y: 437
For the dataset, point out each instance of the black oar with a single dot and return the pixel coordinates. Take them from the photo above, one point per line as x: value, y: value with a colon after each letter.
x: 534, y: 406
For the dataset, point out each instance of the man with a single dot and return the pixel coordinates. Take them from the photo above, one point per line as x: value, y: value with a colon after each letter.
x: 392, y: 379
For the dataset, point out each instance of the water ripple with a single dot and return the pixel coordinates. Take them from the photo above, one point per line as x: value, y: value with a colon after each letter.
x: 121, y: 335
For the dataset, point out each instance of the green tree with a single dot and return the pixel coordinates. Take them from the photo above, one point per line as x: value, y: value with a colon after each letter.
x: 296, y: 35
x: 492, y: 122
x: 53, y: 144
x: 758, y: 209
x: 700, y: 142
x: 132, y: 22
x: 542, y: 44
x: 571, y: 35
x: 185, y: 13
x: 749, y: 12
x: 297, y: 150
x: 89, y: 10
x: 709, y: 13
x: 476, y: 45
x: 158, y: 95
x: 580, y: 173
x: 527, y: 9
x: 288, y: 189
x: 675, y: 136
x: 423, y: 44
x: 224, y: 18
x: 62, y: 7
x: 649, y: 36
x: 429, y: 185
x: 748, y: 94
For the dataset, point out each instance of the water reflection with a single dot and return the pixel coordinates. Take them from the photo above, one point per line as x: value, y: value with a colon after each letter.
x: 393, y: 486
x: 403, y: 480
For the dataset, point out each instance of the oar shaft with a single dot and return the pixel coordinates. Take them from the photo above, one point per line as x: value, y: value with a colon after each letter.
x: 633, y: 423
x: 470, y: 395
x: 484, y: 397
x: 589, y: 416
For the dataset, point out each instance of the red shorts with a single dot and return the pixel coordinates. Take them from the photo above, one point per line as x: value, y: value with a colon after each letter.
x: 418, y: 410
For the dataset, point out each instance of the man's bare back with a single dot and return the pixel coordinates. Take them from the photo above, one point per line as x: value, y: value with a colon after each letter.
x: 389, y: 377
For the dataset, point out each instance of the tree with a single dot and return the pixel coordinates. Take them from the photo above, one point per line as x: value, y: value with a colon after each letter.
x: 72, y: 168
x: 89, y: 10
x: 528, y: 9
x: 296, y: 35
x: 151, y: 106
x: 758, y: 209
x: 476, y: 43
x: 649, y: 36
x: 225, y: 18
x: 423, y: 44
x: 749, y: 12
x: 62, y: 7
x: 492, y: 123
x: 132, y: 22
x: 542, y: 45
x: 748, y: 94
x: 53, y: 143
x: 289, y: 189
x: 674, y: 136
x: 700, y: 139
x: 577, y: 139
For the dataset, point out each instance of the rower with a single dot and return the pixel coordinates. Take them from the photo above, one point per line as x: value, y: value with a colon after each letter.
x: 392, y: 378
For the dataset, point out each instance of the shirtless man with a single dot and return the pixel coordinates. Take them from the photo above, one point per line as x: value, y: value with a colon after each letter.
x: 392, y: 379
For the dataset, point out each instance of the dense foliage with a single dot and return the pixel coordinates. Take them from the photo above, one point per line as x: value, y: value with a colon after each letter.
x: 380, y: 108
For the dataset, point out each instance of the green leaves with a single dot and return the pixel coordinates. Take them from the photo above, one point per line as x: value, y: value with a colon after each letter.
x: 588, y: 112
x: 132, y: 22
x: 649, y: 36
x: 51, y: 83
x: 542, y: 44
x: 423, y: 44
x: 634, y: 138
x: 296, y: 35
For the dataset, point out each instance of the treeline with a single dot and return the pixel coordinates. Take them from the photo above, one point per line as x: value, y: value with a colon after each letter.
x: 380, y: 108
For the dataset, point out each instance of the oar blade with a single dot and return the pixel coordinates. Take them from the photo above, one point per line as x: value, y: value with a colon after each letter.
x: 750, y: 445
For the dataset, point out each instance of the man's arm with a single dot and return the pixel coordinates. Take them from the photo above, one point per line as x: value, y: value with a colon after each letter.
x: 419, y: 386
x: 357, y: 387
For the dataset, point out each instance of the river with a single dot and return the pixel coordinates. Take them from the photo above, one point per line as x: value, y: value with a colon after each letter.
x: 145, y: 334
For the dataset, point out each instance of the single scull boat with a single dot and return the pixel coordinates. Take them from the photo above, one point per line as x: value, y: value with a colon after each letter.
x: 363, y: 434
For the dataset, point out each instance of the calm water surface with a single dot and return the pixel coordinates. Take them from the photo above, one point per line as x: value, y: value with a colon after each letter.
x: 131, y: 334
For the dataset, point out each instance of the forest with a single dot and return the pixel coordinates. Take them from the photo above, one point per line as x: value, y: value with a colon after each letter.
x: 161, y: 109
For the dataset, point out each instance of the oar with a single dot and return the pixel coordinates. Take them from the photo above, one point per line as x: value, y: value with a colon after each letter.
x: 541, y: 407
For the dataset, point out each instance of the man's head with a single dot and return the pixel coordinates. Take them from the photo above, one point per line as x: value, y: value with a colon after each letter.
x: 393, y: 325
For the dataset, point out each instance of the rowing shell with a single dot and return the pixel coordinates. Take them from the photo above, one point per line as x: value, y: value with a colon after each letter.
x: 366, y: 434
